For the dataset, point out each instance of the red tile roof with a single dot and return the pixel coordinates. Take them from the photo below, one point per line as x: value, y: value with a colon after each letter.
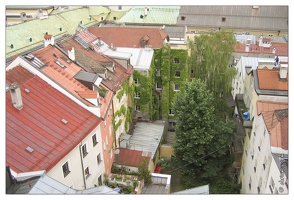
x: 130, y: 37
x: 278, y: 128
x: 132, y: 158
x: 47, y: 36
x: 263, y: 106
x: 269, y: 79
x: 281, y: 49
x: 39, y: 124
x: 95, y: 62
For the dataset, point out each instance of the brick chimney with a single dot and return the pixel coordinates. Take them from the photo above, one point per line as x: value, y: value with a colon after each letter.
x: 16, y: 96
x: 71, y: 53
x: 48, y: 39
x: 247, y: 48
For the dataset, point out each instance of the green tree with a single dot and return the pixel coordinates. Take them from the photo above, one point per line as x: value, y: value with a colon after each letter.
x: 209, y: 59
x: 201, y: 145
x: 143, y: 172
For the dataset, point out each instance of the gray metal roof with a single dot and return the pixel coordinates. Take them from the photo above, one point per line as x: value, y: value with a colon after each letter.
x: 141, y: 58
x: 237, y: 17
x: 244, y: 38
x: 197, y: 190
x: 47, y: 185
x: 147, y: 136
x: 86, y: 76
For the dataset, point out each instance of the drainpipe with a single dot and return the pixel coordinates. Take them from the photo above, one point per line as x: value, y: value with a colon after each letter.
x: 80, y: 149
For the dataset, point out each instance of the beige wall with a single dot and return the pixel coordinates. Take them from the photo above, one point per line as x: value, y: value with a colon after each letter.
x: 166, y: 151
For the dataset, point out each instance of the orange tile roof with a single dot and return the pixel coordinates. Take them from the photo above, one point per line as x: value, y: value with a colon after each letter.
x: 277, y: 127
x: 95, y: 62
x: 263, y: 106
x: 281, y: 49
x: 88, y: 94
x: 268, y: 79
x: 129, y: 37
x: 63, y: 76
x: 47, y: 36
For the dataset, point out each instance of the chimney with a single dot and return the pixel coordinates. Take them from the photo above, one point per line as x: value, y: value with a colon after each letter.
x: 48, y: 39
x: 16, y: 96
x: 247, y: 48
x: 146, y: 11
x: 260, y: 41
x: 283, y: 71
x: 71, y: 53
x: 274, y: 51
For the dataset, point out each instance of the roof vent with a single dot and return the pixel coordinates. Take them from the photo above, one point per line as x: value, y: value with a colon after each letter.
x: 64, y: 121
x: 30, y: 149
x: 27, y: 90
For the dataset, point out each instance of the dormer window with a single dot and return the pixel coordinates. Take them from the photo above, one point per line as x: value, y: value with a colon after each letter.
x: 223, y: 19
x: 183, y: 18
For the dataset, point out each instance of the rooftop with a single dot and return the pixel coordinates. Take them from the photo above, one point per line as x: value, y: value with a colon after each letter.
x: 147, y: 136
x: 129, y: 37
x: 280, y: 49
x: 134, y: 158
x: 269, y: 79
x: 151, y: 15
x: 141, y: 58
x: 236, y: 17
x: 160, y: 184
x: 57, y: 24
x: 277, y: 124
x: 112, y: 73
x: 47, y: 128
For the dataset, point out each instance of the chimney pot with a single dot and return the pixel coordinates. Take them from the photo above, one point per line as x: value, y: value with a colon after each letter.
x: 16, y: 96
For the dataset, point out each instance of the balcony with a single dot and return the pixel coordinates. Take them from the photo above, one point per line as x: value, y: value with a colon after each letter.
x: 241, y: 110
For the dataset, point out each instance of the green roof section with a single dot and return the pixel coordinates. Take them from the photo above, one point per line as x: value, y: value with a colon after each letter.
x: 59, y: 24
x: 156, y: 15
x: 97, y: 10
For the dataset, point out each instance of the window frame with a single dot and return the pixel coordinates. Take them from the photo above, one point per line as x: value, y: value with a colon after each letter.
x: 65, y: 173
x: 176, y: 60
x: 84, y: 150
x: 88, y: 172
x: 137, y: 108
x: 175, y: 88
x: 99, y: 160
x: 96, y: 141
x: 177, y: 73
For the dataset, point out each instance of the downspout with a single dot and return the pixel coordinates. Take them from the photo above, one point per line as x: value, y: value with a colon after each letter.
x: 82, y: 166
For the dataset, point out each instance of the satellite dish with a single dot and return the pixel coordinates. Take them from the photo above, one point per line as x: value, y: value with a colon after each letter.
x: 281, y: 190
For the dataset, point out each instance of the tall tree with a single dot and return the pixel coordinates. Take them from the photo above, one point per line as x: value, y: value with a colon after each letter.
x: 144, y: 172
x: 201, y: 145
x: 209, y: 59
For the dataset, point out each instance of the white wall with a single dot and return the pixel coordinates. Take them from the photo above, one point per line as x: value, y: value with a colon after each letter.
x: 76, y: 177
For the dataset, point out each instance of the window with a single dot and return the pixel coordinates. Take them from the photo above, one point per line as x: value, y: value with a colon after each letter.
x: 119, y: 7
x: 192, y: 71
x: 178, y: 73
x: 176, y: 60
x: 137, y: 82
x: 158, y: 72
x: 137, y: 108
x: 99, y: 159
x: 177, y: 87
x: 171, y: 112
x: 102, y: 18
x: 258, y: 190
x: 158, y: 86
x: 65, y: 169
x: 87, y: 172
x: 223, y: 19
x: 84, y: 150
x: 272, y: 185
x: 258, y: 148
x: 137, y: 95
x: 114, y: 18
x: 94, y: 140
x: 250, y: 183
x: 183, y: 17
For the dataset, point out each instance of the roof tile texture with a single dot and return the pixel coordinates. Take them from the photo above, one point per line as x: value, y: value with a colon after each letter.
x: 129, y: 37
x: 39, y: 126
x: 269, y: 79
